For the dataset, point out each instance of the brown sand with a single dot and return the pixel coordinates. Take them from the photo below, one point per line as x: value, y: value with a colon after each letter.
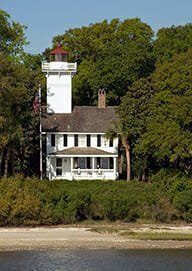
x: 73, y: 238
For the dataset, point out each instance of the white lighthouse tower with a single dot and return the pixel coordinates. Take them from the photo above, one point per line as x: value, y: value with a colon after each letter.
x: 59, y: 75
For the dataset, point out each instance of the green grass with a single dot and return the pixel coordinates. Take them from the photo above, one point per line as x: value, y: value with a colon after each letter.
x: 157, y: 235
x: 129, y: 233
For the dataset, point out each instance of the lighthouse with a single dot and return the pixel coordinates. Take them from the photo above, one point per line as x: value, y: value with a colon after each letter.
x: 59, y: 74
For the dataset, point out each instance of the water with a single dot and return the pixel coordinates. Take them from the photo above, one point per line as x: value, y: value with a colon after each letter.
x: 99, y: 260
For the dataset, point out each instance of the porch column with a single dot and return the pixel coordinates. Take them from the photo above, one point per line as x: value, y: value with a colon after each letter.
x: 72, y: 168
x: 92, y: 161
x: 115, y: 165
x: 48, y: 168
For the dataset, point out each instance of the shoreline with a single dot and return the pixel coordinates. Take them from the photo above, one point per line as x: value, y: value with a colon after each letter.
x: 78, y: 237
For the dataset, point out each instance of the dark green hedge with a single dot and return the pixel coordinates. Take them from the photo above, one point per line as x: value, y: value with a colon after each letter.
x: 28, y: 201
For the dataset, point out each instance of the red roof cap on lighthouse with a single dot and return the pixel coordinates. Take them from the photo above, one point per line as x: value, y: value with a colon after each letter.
x: 58, y: 54
x: 58, y: 51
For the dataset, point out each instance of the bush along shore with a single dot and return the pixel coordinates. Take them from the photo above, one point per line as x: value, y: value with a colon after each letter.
x: 29, y: 201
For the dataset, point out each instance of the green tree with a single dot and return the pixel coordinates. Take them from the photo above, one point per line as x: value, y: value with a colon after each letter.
x: 18, y: 85
x: 171, y: 41
x: 12, y: 37
x: 168, y: 137
x: 131, y: 121
x: 20, y: 75
x: 110, y: 55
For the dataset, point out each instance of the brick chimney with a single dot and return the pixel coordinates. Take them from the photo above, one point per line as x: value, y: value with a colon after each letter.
x: 101, y: 98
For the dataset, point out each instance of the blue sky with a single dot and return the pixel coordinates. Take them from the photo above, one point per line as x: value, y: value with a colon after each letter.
x: 46, y: 19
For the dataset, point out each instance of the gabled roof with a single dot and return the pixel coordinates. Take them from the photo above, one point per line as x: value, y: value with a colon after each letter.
x: 82, y: 151
x: 83, y: 119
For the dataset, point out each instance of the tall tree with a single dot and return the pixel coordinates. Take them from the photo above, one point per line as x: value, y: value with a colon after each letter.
x: 168, y: 137
x: 131, y: 120
x: 12, y: 37
x: 171, y: 41
x: 19, y: 78
x: 111, y: 55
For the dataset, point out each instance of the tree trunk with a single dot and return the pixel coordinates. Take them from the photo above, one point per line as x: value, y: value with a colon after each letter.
x: 120, y: 163
x: 6, y: 163
x: 13, y: 162
x: 128, y: 158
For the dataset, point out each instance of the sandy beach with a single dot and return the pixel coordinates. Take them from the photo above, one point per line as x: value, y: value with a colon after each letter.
x: 72, y: 238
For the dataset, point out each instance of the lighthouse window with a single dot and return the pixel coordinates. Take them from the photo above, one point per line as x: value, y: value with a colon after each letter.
x: 58, y: 57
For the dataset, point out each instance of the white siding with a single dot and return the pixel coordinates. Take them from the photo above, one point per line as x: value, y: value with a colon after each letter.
x: 82, y: 142
x: 58, y: 86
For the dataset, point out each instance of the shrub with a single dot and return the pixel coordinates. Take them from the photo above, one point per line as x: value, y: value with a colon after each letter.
x: 30, y: 201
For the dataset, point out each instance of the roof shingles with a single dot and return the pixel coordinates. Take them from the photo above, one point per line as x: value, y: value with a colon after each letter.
x: 82, y: 151
x: 84, y: 119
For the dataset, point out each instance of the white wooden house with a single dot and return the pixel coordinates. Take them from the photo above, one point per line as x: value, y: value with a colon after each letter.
x: 76, y: 146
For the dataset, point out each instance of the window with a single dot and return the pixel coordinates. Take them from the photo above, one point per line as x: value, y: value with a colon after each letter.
x: 75, y: 162
x: 98, y: 140
x: 59, y: 171
x: 105, y: 163
x: 82, y: 140
x: 82, y: 162
x: 65, y: 140
x: 76, y: 140
x: 88, y: 140
x: 59, y: 162
x: 98, y: 162
x: 59, y: 166
x: 111, y: 143
x: 111, y: 164
x: 89, y: 162
x: 52, y: 140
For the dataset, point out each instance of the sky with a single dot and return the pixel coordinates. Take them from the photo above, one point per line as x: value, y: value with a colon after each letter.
x: 47, y: 18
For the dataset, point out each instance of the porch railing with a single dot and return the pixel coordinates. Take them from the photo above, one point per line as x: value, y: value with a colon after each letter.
x: 91, y: 172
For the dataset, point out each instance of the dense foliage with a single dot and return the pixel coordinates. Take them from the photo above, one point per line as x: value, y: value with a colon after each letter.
x: 110, y: 55
x: 20, y: 75
x: 33, y: 202
x: 12, y: 38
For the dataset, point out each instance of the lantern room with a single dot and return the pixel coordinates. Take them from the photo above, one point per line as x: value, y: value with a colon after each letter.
x: 58, y: 54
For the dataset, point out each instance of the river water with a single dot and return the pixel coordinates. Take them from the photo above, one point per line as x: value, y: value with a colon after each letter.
x: 97, y: 260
